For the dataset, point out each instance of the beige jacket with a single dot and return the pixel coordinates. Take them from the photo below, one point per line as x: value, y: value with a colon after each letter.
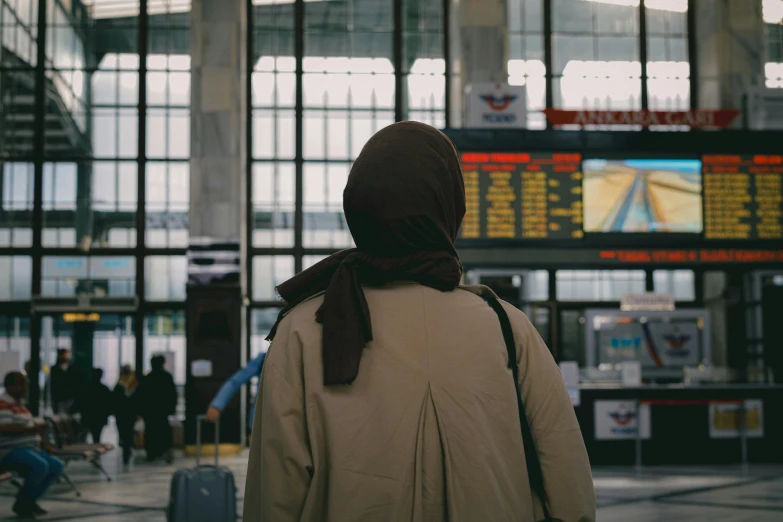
x: 429, y: 430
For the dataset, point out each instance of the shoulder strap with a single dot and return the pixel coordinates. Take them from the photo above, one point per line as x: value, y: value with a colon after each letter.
x: 534, y: 472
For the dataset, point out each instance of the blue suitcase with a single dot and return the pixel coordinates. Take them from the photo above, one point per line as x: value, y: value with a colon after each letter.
x: 204, y: 493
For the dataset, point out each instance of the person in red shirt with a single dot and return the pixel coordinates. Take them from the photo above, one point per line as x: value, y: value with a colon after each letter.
x: 20, y: 447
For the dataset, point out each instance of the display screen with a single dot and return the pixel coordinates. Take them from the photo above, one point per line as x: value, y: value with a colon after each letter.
x: 743, y: 197
x: 642, y: 195
x: 522, y: 196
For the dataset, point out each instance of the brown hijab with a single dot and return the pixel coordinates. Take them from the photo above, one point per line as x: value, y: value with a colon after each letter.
x: 404, y: 203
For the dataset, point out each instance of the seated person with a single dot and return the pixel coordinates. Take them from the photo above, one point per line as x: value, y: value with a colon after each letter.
x: 20, y: 447
x: 232, y: 386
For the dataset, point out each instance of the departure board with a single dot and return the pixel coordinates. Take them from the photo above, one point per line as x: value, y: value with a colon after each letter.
x: 743, y: 197
x: 522, y: 196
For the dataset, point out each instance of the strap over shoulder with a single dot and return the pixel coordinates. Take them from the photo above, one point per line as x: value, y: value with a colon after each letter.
x: 532, y: 460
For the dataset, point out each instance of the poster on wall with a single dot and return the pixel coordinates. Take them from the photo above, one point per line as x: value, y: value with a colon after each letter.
x: 495, y: 105
x: 676, y: 344
x: 726, y: 420
x: 619, y: 420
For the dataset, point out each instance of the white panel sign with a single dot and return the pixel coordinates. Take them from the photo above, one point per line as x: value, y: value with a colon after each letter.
x: 647, y: 301
x: 112, y: 267
x: 617, y: 420
x: 570, y: 372
x: 202, y: 368
x: 726, y: 422
x: 56, y: 267
x: 495, y: 105
x: 631, y: 372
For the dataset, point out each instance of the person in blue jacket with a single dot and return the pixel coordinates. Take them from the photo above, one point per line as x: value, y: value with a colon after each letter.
x: 233, y: 385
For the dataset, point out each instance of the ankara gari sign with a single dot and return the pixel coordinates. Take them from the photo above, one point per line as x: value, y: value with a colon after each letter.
x: 696, y: 119
x: 495, y: 105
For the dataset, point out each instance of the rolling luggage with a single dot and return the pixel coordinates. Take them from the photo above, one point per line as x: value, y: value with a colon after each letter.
x: 204, y: 493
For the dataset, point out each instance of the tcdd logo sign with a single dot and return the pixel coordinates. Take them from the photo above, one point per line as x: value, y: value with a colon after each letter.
x: 621, y: 420
x: 677, y: 343
x: 496, y: 105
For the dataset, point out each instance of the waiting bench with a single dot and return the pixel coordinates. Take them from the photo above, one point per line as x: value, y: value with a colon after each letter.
x: 62, y: 437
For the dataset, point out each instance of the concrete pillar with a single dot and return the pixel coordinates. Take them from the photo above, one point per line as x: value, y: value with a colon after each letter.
x: 215, y: 314
x: 730, y: 51
x: 479, y: 31
x: 218, y: 111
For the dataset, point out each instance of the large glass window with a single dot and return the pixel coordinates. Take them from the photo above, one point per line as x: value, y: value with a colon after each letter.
x: 348, y: 95
x: 679, y: 283
x: 262, y: 321
x: 268, y: 272
x: 18, y: 32
x: 16, y: 274
x: 668, y: 68
x: 14, y: 343
x: 526, y: 56
x: 165, y: 278
x: 168, y: 124
x: 168, y: 203
x: 16, y: 204
x: 90, y: 204
x: 67, y: 276
x: 273, y: 147
x: 423, y: 65
x: 595, y: 47
x: 598, y: 285
x: 773, y: 16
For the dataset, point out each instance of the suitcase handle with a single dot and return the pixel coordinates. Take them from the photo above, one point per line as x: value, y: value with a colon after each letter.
x: 199, y: 420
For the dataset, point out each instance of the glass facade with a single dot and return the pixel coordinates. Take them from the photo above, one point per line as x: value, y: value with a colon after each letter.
x: 526, y: 64
x: 95, y: 137
x: 595, y: 55
x: 598, y: 285
x: 773, y: 16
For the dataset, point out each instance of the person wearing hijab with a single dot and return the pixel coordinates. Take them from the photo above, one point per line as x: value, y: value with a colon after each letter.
x: 386, y: 393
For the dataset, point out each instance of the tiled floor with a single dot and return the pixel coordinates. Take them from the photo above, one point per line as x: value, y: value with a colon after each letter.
x: 653, y: 495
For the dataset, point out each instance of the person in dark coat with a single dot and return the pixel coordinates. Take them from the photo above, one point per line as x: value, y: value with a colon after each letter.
x: 96, y: 405
x: 124, y: 410
x: 64, y: 383
x: 157, y: 399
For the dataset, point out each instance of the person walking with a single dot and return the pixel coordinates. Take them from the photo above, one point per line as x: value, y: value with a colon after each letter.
x: 125, y: 410
x: 64, y: 383
x: 96, y: 406
x: 387, y: 392
x: 20, y: 447
x: 233, y: 385
x: 157, y: 399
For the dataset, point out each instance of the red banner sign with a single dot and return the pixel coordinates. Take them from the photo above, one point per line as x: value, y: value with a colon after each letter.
x: 694, y: 256
x: 698, y: 119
